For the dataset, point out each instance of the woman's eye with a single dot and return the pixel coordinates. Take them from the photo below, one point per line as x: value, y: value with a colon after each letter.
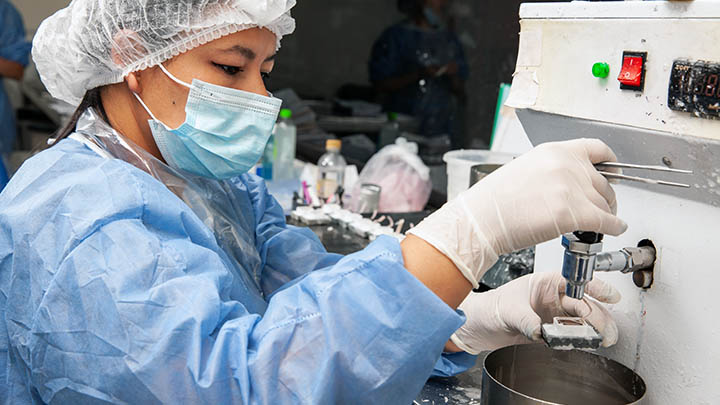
x: 229, y: 70
x: 265, y: 76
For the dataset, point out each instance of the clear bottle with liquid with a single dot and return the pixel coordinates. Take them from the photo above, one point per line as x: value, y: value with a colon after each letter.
x: 331, y: 170
x: 284, y: 138
x: 268, y: 159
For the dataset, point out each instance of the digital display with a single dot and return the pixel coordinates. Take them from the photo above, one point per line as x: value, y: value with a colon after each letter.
x: 695, y: 88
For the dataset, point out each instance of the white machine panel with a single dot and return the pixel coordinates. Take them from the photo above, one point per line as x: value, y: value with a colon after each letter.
x: 558, y: 51
x: 656, y: 10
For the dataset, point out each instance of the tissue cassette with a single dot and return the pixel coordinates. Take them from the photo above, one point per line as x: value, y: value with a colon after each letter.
x: 569, y: 333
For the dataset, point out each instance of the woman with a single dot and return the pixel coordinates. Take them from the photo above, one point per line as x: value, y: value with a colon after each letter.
x: 140, y: 264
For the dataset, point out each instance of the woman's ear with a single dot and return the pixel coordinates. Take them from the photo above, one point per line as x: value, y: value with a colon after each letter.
x: 127, y: 47
x: 133, y: 82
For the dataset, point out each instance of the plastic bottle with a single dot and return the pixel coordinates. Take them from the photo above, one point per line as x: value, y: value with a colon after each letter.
x: 389, y: 132
x: 331, y: 170
x: 268, y: 159
x: 285, y: 137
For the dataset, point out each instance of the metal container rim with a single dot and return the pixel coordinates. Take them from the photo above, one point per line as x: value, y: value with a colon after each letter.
x: 487, y: 373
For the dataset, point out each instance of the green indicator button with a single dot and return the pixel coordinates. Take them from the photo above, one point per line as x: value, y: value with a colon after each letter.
x: 286, y: 113
x: 601, y: 70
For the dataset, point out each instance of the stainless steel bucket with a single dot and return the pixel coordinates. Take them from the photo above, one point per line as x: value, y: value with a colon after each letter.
x: 536, y: 374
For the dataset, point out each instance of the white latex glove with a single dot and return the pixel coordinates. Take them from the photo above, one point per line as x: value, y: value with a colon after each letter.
x: 552, y: 190
x: 515, y: 312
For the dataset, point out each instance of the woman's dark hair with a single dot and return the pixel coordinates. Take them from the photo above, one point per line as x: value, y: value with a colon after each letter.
x: 92, y: 99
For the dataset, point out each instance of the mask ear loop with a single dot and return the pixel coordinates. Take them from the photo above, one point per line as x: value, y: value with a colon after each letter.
x: 173, y: 78
x: 147, y: 109
x: 142, y: 103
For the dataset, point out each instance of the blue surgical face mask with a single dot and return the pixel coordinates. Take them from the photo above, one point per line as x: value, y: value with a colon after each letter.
x: 224, y: 134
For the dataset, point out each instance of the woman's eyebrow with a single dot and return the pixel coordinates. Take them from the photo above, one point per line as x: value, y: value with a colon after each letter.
x: 247, y: 52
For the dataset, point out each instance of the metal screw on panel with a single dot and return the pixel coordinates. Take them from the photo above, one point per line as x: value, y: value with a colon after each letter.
x: 666, y: 160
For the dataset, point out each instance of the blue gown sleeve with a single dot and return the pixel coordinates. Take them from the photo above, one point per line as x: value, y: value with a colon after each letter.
x: 452, y: 364
x: 139, y: 310
x: 287, y: 252
x: 290, y: 252
x: 13, y: 44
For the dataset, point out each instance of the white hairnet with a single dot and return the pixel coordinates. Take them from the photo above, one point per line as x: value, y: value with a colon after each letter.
x: 92, y: 43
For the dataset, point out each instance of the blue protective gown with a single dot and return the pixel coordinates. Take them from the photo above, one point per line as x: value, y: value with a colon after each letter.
x: 124, y: 281
x: 13, y: 47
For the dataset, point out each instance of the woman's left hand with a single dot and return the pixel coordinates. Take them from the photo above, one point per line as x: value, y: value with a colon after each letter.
x: 515, y: 312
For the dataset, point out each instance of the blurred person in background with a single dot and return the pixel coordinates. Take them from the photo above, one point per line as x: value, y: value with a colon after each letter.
x: 14, y: 56
x: 418, y: 66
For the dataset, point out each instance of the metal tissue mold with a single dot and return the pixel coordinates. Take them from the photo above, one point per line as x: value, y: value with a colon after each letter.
x: 583, y: 256
x: 568, y: 333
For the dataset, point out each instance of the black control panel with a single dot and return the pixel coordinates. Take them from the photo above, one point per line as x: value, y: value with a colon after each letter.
x: 695, y: 88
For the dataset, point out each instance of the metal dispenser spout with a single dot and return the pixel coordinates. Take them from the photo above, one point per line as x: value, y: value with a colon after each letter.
x: 584, y: 256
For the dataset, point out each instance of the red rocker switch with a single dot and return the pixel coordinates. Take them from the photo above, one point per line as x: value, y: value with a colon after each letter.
x: 632, y: 75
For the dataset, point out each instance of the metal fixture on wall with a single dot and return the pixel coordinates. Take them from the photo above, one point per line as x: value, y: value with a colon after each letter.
x: 584, y: 256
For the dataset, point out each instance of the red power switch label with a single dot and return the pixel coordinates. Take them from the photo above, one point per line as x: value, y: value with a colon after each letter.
x: 633, y: 72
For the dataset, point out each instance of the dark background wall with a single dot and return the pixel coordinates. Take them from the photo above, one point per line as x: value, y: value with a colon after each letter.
x: 333, y: 41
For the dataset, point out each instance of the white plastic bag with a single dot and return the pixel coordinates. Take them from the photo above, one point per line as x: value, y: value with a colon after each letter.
x: 402, y: 175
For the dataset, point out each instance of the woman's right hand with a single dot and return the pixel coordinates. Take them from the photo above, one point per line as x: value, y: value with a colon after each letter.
x: 552, y: 190
x: 515, y: 312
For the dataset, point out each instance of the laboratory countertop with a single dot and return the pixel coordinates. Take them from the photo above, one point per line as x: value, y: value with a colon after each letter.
x: 342, y: 241
x: 463, y: 389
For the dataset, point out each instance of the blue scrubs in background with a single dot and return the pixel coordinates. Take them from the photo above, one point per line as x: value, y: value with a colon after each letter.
x: 124, y: 281
x: 13, y: 47
x: 405, y: 48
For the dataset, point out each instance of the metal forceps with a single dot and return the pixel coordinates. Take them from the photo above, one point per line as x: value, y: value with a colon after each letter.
x: 613, y: 165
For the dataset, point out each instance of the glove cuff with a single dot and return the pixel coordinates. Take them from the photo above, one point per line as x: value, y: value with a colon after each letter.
x: 454, y: 232
x: 440, y: 246
x: 460, y: 344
